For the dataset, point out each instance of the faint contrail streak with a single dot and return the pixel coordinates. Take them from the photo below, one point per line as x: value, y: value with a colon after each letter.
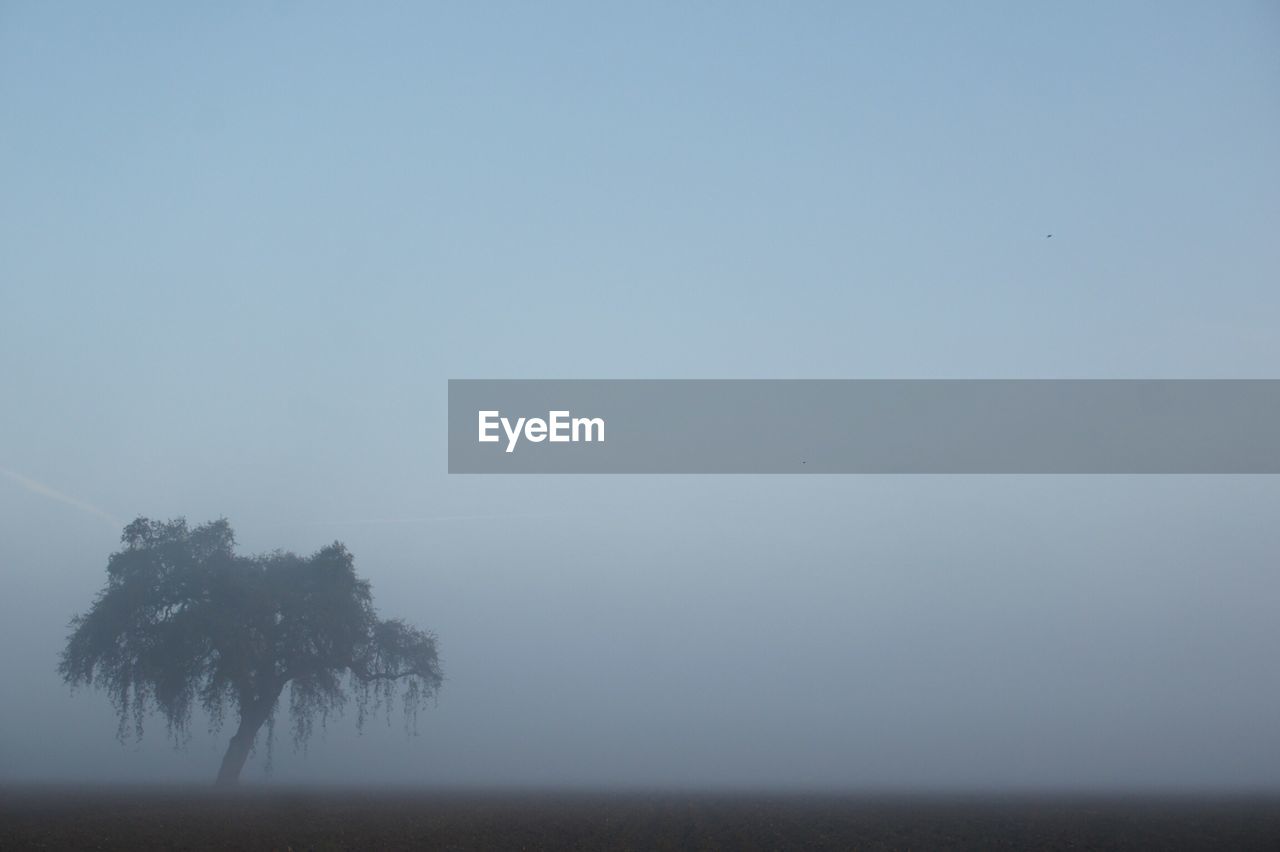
x: 433, y: 519
x: 53, y: 494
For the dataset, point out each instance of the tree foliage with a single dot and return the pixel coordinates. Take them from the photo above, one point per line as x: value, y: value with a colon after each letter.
x: 184, y: 621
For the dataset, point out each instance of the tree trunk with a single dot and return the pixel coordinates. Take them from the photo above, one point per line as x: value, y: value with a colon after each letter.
x: 251, y: 720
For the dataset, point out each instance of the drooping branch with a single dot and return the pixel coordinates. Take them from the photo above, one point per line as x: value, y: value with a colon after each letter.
x: 397, y: 650
x: 396, y: 655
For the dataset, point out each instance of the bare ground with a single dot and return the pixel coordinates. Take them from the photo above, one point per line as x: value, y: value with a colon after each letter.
x: 305, y: 819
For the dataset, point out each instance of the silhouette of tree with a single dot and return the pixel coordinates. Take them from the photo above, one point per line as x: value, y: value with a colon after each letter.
x: 185, y: 621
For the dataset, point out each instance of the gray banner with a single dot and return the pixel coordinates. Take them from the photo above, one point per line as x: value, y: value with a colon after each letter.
x: 864, y: 426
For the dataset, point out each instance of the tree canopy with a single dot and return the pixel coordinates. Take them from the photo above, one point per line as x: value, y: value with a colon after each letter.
x: 184, y: 621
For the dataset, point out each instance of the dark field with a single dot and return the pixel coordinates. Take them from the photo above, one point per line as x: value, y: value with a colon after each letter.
x: 188, y: 818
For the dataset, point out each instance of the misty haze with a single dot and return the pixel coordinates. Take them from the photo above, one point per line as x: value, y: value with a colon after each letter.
x: 243, y: 248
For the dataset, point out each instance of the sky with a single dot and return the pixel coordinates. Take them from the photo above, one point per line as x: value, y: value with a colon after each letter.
x: 243, y: 247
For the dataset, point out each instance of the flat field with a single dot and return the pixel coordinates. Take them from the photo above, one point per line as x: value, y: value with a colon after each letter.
x: 301, y: 819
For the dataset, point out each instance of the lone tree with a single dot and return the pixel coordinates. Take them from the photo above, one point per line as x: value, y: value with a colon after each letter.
x: 184, y: 620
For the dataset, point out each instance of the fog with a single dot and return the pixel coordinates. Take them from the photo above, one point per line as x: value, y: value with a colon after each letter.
x: 243, y: 250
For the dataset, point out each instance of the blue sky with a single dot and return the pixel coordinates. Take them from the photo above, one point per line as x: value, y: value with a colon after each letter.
x: 243, y: 247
